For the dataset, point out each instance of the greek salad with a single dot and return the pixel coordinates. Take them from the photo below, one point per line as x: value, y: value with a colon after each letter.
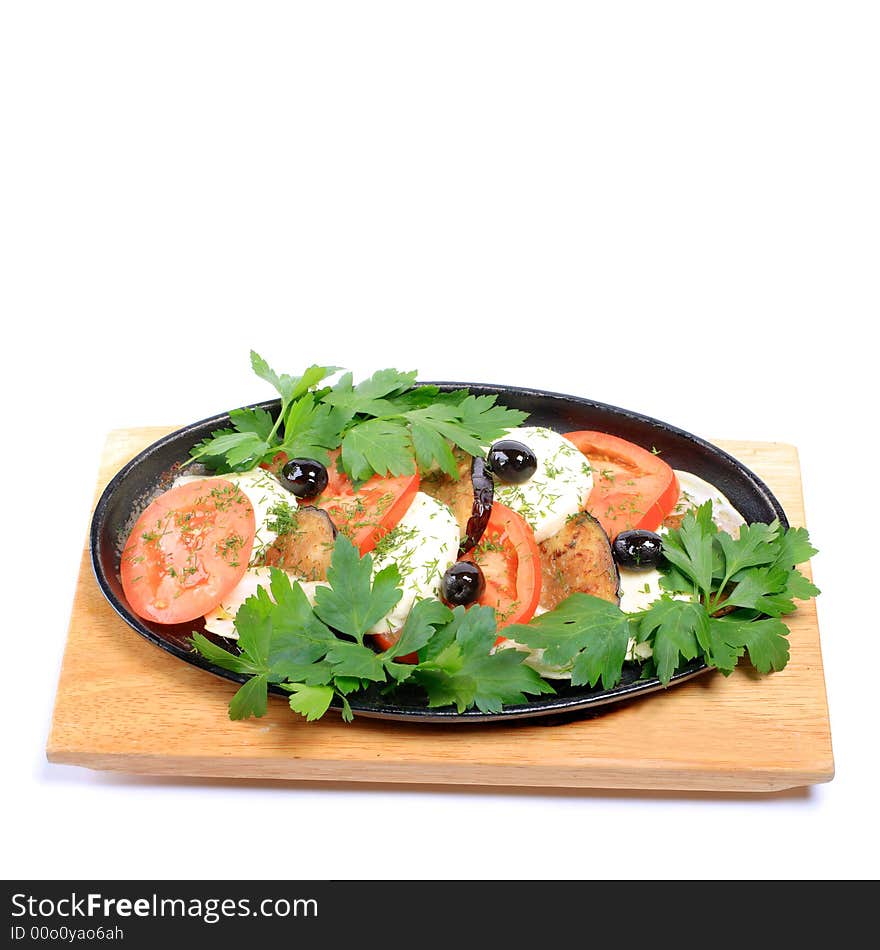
x: 374, y: 534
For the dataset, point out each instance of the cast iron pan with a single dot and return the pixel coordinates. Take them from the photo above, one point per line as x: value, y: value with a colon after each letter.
x: 146, y: 475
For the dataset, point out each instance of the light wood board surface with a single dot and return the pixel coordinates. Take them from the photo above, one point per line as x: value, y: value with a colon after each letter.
x: 123, y: 704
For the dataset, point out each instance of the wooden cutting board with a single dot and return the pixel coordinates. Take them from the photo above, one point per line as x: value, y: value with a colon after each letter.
x: 125, y: 705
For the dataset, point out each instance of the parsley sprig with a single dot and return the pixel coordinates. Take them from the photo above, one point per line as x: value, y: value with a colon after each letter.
x: 303, y: 428
x: 385, y: 424
x: 318, y: 653
x: 724, y: 598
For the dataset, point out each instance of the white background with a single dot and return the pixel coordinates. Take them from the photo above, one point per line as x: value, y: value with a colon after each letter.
x: 667, y: 206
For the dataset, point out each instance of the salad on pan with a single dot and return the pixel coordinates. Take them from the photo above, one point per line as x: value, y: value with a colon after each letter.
x: 385, y: 534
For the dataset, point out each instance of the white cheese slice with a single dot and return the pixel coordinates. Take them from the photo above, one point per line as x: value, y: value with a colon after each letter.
x: 221, y: 620
x: 638, y: 588
x: 695, y: 491
x: 423, y: 545
x: 558, y: 489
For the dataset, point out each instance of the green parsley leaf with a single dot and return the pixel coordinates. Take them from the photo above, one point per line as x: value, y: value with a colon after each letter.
x: 753, y: 547
x: 257, y: 421
x: 763, y: 589
x: 675, y: 628
x: 353, y: 659
x: 753, y: 575
x: 475, y: 630
x: 310, y: 701
x: 297, y: 637
x: 348, y: 684
x: 465, y: 672
x: 251, y: 699
x: 485, y: 421
x: 264, y: 371
x: 721, y: 654
x: 587, y: 631
x: 419, y: 420
x: 354, y: 602
x: 471, y: 423
x: 290, y: 387
x: 253, y: 437
x: 220, y: 657
x: 384, y: 424
x: 254, y: 625
x: 690, y: 548
x: 310, y: 674
x: 503, y: 679
x: 369, y: 397
x: 794, y: 548
x: 766, y: 640
x: 420, y: 626
x: 673, y: 581
x: 445, y: 687
x: 228, y: 450
x: 800, y: 586
x: 378, y: 445
x: 444, y: 420
x: 430, y: 447
x: 311, y: 429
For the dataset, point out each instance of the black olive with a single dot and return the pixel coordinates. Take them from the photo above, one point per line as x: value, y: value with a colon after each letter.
x: 638, y: 548
x: 306, y: 478
x: 512, y: 462
x: 462, y: 584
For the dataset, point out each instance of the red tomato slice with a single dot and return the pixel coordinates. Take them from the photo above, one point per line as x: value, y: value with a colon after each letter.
x: 187, y: 551
x: 372, y: 511
x: 511, y: 564
x: 632, y: 487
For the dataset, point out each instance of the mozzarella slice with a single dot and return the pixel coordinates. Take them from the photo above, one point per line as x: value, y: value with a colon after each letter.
x: 423, y: 545
x: 558, y: 489
x: 695, y: 491
x: 267, y: 496
x: 638, y: 589
x: 221, y: 620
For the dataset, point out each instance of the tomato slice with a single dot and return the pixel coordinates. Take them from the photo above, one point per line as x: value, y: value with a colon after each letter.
x: 187, y: 551
x: 372, y: 511
x: 632, y: 487
x: 511, y: 564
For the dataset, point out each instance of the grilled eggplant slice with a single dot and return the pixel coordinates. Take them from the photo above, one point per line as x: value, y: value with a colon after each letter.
x: 305, y: 544
x: 578, y: 559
